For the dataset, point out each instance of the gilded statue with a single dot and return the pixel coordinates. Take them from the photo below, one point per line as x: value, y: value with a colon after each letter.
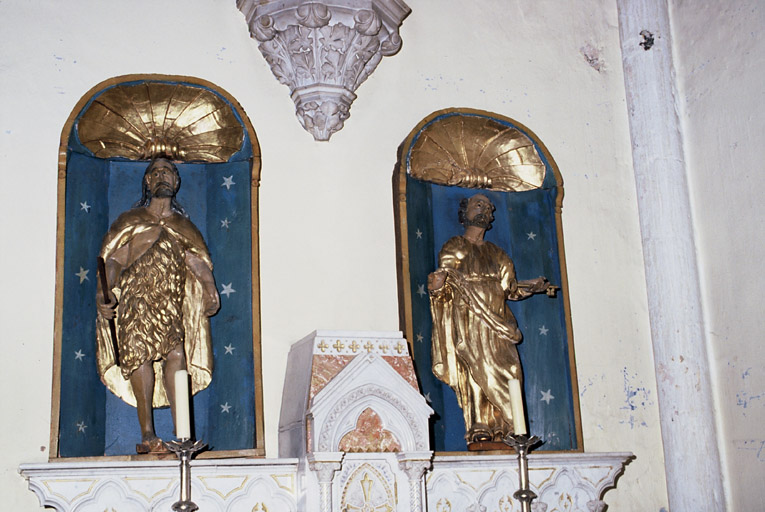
x: 161, y: 292
x: 474, y: 332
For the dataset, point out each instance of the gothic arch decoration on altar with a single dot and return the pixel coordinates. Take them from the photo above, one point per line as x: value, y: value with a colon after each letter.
x: 370, y: 435
x: 367, y: 488
x: 338, y: 407
x: 105, y: 146
x: 453, y: 154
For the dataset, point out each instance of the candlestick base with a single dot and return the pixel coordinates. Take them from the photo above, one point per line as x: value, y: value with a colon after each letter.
x: 184, y: 506
x: 524, y: 495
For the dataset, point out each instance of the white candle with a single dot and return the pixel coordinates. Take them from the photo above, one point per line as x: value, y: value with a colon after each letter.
x: 182, y: 419
x: 516, y: 404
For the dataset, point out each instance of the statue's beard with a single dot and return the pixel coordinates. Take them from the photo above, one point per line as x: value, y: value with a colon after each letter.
x: 163, y: 190
x: 481, y: 220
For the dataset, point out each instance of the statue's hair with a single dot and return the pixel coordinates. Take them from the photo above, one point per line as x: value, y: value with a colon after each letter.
x: 463, y: 210
x: 146, y: 193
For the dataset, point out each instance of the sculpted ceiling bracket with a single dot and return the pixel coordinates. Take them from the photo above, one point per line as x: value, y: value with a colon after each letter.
x: 324, y: 51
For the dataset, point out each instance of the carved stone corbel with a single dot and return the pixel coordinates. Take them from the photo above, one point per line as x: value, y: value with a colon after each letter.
x: 324, y: 51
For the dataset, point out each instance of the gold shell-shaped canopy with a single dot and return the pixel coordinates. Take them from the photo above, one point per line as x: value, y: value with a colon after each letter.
x: 476, y: 152
x: 150, y: 119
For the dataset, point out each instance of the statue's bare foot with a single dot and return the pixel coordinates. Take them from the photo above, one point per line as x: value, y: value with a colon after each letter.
x: 151, y: 445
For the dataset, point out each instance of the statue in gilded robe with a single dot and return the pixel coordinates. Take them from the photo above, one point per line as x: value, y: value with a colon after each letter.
x: 474, y: 332
x: 161, y: 293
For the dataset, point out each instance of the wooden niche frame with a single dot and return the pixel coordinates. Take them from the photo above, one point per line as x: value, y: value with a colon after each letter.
x: 453, y: 154
x: 88, y: 421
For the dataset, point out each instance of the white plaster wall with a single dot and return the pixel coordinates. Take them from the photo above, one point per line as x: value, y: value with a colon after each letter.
x: 326, y: 214
x: 721, y: 70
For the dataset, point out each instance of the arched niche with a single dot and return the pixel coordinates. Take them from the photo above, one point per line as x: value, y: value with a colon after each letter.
x: 453, y: 154
x: 104, y: 148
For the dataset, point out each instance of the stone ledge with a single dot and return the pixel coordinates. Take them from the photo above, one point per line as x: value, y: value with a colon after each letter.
x: 562, y: 481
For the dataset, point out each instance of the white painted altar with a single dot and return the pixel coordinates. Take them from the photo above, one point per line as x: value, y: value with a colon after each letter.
x: 352, y: 437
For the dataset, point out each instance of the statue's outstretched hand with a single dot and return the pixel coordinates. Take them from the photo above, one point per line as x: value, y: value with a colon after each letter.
x: 538, y: 285
x: 528, y: 287
x: 544, y: 286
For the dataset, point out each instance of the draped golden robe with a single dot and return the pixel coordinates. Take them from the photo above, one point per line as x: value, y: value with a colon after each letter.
x: 184, y: 316
x: 474, y: 333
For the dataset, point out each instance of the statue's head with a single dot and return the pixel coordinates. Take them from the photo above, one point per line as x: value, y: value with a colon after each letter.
x: 161, y: 179
x: 476, y: 210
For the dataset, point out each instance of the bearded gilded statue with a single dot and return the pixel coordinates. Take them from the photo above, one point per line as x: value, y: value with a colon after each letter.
x: 161, y: 292
x: 474, y: 332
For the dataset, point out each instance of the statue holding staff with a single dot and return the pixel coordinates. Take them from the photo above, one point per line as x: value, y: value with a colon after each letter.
x: 161, y: 293
x: 474, y: 332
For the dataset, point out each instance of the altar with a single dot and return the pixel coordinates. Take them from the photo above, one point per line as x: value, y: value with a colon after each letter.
x: 353, y: 436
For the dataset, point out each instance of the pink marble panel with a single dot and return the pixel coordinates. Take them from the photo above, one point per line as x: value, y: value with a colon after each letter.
x: 324, y: 369
x: 403, y: 365
x: 369, y: 436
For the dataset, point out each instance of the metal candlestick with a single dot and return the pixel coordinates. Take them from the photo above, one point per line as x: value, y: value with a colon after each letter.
x: 185, y: 450
x: 522, y: 444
